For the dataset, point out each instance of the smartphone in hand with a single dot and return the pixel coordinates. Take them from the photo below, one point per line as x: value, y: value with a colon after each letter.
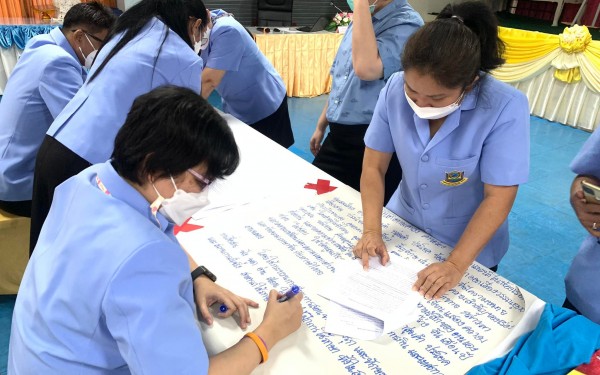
x: 591, y: 192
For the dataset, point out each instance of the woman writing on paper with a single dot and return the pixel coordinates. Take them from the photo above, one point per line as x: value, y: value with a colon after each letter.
x: 108, y: 289
x: 462, y: 139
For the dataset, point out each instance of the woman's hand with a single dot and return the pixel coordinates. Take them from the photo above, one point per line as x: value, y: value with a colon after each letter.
x: 370, y: 245
x: 587, y: 213
x: 206, y: 293
x: 438, y: 278
x: 316, y: 140
x: 280, y: 319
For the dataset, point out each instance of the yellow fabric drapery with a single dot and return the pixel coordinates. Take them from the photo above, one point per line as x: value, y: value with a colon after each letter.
x: 303, y: 60
x: 529, y: 53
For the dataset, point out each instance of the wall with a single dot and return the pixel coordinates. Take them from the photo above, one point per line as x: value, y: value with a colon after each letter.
x: 305, y: 12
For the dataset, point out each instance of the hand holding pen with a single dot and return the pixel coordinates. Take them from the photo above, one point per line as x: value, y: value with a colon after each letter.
x: 295, y: 289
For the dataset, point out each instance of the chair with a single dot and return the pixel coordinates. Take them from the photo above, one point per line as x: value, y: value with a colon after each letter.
x: 559, y: 8
x: 14, y: 251
x: 275, y: 12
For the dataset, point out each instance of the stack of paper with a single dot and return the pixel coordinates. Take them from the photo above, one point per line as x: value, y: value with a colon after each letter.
x: 367, y: 304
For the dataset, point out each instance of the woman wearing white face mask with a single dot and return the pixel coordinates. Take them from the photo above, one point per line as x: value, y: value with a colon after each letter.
x: 108, y: 259
x: 462, y: 139
x: 155, y: 42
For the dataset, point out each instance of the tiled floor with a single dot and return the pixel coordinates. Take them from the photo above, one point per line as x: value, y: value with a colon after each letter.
x: 544, y: 231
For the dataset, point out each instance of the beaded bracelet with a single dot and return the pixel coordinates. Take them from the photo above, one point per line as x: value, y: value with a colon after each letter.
x: 261, y: 345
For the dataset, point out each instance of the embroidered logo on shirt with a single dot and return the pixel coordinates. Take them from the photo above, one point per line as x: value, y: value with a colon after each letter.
x: 454, y: 178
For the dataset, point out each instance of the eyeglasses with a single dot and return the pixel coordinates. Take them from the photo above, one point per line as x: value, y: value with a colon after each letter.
x: 90, y: 35
x: 205, y: 181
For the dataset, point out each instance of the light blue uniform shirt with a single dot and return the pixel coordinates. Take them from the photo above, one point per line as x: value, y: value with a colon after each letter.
x: 352, y: 100
x: 251, y: 88
x: 583, y: 279
x: 46, y: 77
x: 486, y: 139
x: 89, y: 123
x: 107, y: 291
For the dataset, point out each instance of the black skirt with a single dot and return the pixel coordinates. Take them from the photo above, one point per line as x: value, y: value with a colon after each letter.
x: 341, y: 155
x: 54, y: 164
x: 277, y: 126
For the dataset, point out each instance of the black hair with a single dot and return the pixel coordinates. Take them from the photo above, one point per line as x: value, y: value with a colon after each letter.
x: 169, y: 130
x: 173, y: 13
x: 462, y: 41
x: 93, y: 15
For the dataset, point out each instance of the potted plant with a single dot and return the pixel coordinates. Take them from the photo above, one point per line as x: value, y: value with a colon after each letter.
x: 340, y: 22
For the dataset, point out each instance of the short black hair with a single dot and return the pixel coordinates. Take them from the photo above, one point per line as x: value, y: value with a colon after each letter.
x: 93, y: 15
x: 453, y: 49
x: 169, y: 130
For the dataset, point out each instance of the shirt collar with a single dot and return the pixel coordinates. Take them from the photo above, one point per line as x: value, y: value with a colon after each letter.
x: 218, y: 13
x: 123, y: 191
x: 470, y: 100
x: 386, y: 10
x: 62, y: 42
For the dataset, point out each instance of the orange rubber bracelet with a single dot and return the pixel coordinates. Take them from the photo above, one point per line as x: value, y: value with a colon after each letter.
x: 261, y: 345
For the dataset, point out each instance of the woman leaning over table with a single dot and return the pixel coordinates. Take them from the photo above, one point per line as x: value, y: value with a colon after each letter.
x: 250, y: 87
x: 155, y: 42
x: 462, y: 138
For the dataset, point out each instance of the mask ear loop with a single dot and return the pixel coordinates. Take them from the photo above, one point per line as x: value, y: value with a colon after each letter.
x: 154, y: 206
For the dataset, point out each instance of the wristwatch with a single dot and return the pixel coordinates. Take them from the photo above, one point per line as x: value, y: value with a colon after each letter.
x: 201, y: 270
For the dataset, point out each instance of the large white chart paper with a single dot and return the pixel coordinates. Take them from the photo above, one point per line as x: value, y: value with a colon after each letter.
x: 254, y: 249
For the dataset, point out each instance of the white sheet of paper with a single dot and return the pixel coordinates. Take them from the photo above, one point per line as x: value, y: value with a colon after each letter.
x: 382, y: 292
x: 347, y: 322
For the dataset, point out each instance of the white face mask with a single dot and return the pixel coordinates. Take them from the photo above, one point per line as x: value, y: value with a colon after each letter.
x: 89, y: 59
x: 182, y: 205
x: 197, y: 46
x: 433, y: 113
x: 205, y: 39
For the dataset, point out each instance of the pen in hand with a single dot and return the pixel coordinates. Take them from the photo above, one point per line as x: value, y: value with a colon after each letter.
x: 290, y: 293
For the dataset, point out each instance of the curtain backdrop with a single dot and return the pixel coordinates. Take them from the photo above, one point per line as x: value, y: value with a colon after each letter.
x: 27, y: 8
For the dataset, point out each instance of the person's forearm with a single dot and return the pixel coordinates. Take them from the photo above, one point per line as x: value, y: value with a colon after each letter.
x: 207, y: 89
x: 242, y: 358
x: 365, y: 54
x: 372, y: 188
x: 488, y: 217
x: 322, y: 123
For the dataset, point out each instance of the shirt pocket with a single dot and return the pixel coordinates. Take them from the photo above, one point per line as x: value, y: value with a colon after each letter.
x: 461, y: 197
x: 458, y: 164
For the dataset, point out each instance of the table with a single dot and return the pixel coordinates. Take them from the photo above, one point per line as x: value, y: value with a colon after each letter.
x: 277, y: 231
x: 14, y: 35
x: 302, y: 59
x: 533, y: 60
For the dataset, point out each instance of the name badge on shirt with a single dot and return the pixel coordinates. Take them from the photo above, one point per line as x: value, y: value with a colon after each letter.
x: 454, y: 178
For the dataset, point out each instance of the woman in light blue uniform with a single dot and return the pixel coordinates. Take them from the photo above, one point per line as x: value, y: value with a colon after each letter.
x: 47, y: 76
x: 156, y: 42
x: 108, y: 289
x: 583, y: 280
x: 251, y: 89
x: 462, y: 139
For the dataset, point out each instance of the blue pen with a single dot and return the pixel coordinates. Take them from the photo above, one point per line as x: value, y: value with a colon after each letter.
x: 223, y: 308
x: 290, y: 293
